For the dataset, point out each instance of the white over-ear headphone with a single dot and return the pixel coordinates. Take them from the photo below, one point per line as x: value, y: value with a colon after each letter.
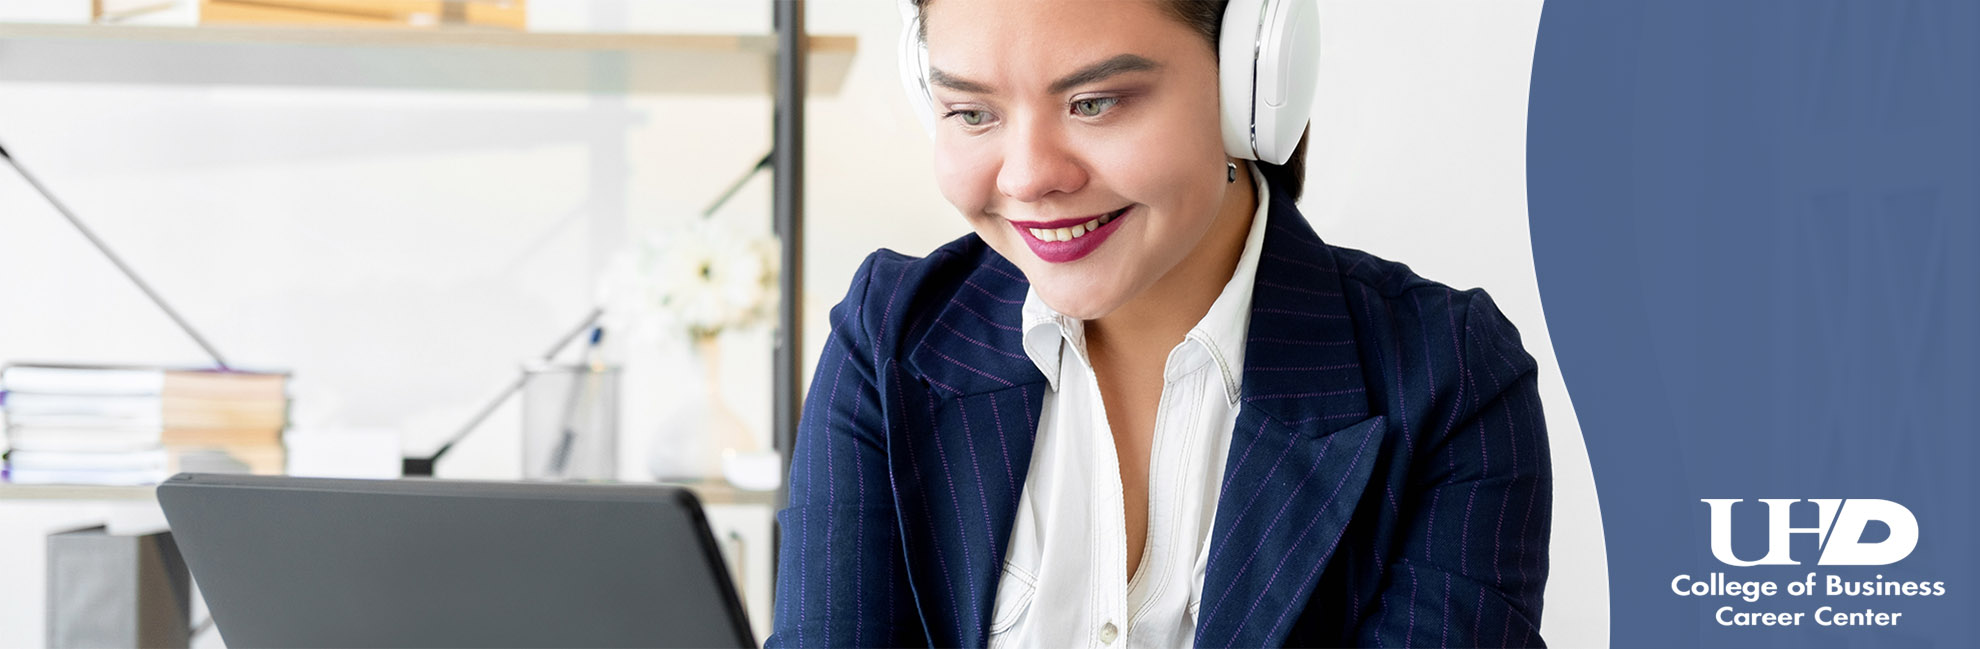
x: 1268, y: 55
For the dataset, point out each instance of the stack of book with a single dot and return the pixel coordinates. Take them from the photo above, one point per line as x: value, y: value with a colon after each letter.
x: 133, y: 425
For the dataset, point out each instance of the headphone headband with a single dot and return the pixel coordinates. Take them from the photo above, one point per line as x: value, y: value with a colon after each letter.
x: 914, y: 66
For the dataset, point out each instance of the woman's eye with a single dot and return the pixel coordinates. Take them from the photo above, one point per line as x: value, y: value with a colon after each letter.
x: 1094, y: 107
x: 970, y: 117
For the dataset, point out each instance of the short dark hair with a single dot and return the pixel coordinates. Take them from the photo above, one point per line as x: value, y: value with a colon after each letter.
x: 1206, y: 17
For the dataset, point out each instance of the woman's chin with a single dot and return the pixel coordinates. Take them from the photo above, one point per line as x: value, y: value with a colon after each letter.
x: 1078, y: 304
x: 1069, y: 289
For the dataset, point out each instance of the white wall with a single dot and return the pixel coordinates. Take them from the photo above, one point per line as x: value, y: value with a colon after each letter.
x: 404, y: 251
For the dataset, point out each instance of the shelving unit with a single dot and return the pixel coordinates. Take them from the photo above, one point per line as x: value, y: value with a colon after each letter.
x: 449, y: 59
x: 709, y: 493
x: 483, y: 59
x: 107, y: 493
x: 788, y: 65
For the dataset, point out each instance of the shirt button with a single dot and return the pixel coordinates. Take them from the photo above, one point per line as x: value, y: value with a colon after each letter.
x: 1108, y: 632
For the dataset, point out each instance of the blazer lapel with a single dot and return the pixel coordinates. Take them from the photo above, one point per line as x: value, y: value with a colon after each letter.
x: 1303, y: 448
x: 1301, y: 453
x: 965, y: 448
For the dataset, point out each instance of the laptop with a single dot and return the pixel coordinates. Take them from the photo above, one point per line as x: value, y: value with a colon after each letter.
x: 317, y: 562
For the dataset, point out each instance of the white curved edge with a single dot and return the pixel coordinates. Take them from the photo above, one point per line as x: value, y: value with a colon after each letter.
x: 1421, y: 158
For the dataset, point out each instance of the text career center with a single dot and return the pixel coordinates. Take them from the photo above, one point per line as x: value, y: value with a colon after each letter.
x: 1839, y: 532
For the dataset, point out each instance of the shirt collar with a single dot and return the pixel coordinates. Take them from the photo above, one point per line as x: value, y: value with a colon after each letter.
x: 1219, y: 335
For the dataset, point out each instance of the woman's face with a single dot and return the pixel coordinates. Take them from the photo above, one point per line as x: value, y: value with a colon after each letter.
x: 1060, y: 114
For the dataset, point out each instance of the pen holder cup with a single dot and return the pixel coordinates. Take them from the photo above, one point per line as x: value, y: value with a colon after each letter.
x: 570, y: 423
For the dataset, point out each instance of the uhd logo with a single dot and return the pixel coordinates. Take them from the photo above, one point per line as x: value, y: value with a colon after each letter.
x: 1838, y: 532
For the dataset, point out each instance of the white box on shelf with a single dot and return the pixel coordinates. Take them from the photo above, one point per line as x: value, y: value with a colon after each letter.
x: 45, y: 11
x: 344, y: 453
x: 649, y: 17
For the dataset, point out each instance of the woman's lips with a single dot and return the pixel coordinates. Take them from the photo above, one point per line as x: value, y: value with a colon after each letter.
x: 1071, y: 242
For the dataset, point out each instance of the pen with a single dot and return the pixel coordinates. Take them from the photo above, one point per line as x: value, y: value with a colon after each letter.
x: 594, y: 363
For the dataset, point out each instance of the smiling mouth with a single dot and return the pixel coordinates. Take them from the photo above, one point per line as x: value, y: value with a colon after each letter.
x: 1075, y: 231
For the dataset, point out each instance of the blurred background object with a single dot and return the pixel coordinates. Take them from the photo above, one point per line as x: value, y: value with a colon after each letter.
x: 80, y: 424
x: 399, y: 218
x: 110, y: 590
x: 570, y: 422
x: 505, y: 14
x: 693, y: 282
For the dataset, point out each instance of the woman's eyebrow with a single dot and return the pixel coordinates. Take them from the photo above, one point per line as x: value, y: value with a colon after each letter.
x: 1119, y: 64
x: 939, y: 78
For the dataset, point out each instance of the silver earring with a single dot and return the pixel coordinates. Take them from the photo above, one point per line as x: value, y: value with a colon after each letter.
x: 1230, y: 171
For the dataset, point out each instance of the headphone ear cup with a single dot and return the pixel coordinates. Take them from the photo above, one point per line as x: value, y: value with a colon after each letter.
x: 1236, y: 54
x: 1268, y: 69
x: 914, y: 67
x: 1288, y: 78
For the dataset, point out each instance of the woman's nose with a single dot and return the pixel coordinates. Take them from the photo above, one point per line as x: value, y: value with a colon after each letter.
x: 1037, y: 163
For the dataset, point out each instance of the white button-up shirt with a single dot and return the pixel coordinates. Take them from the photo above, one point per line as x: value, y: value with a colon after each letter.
x: 1065, y: 575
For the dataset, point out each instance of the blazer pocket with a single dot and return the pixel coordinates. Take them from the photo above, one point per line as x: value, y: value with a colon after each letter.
x: 1015, y: 590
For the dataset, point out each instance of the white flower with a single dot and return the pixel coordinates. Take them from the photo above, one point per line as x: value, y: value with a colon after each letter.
x: 700, y: 279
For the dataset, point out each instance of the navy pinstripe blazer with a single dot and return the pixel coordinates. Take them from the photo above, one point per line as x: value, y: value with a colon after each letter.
x: 1388, y: 482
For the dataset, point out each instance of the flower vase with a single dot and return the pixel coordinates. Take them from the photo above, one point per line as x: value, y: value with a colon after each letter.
x: 723, y: 434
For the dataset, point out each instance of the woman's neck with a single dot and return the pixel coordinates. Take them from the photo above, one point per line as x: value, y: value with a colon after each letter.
x: 1155, y: 321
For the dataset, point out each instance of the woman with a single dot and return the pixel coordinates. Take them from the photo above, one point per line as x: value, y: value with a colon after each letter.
x: 1143, y: 404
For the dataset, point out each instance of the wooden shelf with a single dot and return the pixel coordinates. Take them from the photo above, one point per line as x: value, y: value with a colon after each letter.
x: 423, y: 58
x: 764, y: 44
x: 10, y: 491
x: 710, y: 493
